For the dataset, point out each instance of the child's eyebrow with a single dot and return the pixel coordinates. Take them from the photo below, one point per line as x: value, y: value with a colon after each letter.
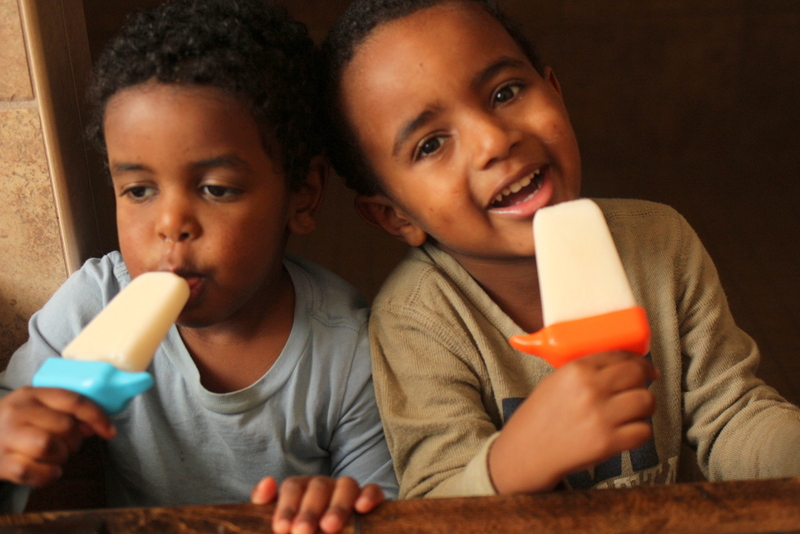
x: 426, y: 116
x: 411, y: 126
x: 489, y: 72
x: 230, y: 161
x: 118, y: 168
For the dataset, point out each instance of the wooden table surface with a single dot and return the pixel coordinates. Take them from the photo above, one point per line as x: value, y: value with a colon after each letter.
x: 763, y: 506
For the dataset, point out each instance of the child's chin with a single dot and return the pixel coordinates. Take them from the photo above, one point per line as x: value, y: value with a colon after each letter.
x: 194, y: 318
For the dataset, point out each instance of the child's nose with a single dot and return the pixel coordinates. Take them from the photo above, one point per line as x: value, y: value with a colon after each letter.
x: 491, y: 139
x: 176, y: 219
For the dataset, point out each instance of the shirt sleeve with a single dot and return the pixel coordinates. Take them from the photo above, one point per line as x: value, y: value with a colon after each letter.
x: 62, y: 318
x: 428, y: 385
x: 741, y: 427
x: 358, y: 445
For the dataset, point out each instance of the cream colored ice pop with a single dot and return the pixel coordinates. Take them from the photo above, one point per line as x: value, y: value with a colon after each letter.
x: 587, y: 302
x: 106, y: 361
x: 128, y: 331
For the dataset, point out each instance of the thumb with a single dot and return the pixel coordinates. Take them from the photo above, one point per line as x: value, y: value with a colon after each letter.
x: 265, y: 491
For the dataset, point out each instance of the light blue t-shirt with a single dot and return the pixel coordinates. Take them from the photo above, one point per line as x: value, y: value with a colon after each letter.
x: 312, y: 413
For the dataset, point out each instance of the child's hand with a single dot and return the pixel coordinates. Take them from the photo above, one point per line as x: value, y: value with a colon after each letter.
x: 40, y: 428
x: 306, y: 503
x: 584, y: 413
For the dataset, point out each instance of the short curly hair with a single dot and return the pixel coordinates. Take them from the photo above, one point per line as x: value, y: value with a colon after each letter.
x: 250, y: 49
x: 356, y: 24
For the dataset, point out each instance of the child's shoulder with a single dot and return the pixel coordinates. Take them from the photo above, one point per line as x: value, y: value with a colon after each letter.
x: 79, y: 299
x: 109, y: 269
x: 635, y: 222
x: 324, y: 294
x: 97, y: 281
x: 628, y: 209
x: 427, y: 278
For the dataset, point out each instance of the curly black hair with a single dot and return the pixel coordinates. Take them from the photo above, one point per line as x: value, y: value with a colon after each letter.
x: 359, y: 20
x: 250, y: 49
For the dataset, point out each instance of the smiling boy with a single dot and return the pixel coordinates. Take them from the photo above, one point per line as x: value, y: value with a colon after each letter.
x: 453, y: 135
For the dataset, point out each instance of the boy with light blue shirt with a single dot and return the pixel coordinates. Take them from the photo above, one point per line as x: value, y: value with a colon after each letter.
x: 208, y: 113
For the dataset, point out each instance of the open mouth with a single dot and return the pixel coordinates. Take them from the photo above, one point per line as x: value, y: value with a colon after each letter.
x: 196, y: 283
x: 519, y: 192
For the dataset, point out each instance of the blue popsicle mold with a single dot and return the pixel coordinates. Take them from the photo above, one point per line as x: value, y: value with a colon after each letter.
x: 101, y: 382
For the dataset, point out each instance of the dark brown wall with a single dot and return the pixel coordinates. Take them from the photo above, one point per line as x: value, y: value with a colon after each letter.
x: 689, y: 102
x: 695, y: 103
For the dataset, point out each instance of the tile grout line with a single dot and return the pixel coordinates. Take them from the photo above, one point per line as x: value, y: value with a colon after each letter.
x: 17, y: 104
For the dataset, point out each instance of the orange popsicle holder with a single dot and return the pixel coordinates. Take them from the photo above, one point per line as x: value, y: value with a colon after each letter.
x: 565, y: 341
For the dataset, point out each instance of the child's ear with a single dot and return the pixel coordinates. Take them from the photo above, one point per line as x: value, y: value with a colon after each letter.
x: 307, y: 200
x: 381, y: 212
x: 550, y: 77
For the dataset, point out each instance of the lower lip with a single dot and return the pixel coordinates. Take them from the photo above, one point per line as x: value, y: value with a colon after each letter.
x: 528, y: 208
x: 196, y: 285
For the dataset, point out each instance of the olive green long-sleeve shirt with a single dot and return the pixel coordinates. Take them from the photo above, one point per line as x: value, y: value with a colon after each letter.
x: 446, y: 378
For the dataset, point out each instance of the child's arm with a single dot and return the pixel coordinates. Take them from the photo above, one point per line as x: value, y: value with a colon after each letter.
x: 740, y: 427
x: 305, y: 503
x: 50, y: 329
x: 446, y: 386
x: 40, y: 428
x: 582, y: 414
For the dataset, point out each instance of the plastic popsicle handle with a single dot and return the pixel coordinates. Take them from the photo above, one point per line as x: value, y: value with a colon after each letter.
x: 109, y: 387
x: 565, y: 341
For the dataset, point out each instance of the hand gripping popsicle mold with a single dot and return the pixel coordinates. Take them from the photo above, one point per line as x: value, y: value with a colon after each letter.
x: 587, y: 302
x: 106, y: 362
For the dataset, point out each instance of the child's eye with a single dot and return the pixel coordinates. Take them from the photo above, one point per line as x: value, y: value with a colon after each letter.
x: 220, y: 192
x: 506, y: 93
x: 138, y: 192
x: 429, y: 146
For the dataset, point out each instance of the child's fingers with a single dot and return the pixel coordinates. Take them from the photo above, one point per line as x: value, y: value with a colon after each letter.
x: 79, y: 407
x: 371, y: 496
x: 36, y: 414
x: 40, y: 445
x: 25, y: 471
x: 341, y: 505
x: 627, y: 374
x: 632, y: 436
x: 289, y: 499
x: 314, y: 503
x: 600, y: 360
x: 34, y: 425
x: 265, y: 491
x: 629, y: 406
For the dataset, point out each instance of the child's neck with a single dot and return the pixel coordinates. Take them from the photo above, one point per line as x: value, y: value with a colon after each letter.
x: 235, y: 353
x: 513, y: 286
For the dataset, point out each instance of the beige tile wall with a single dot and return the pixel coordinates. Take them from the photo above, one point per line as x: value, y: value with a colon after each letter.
x: 32, y: 262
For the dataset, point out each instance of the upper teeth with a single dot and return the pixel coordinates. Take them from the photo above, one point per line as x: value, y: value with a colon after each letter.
x: 518, y: 185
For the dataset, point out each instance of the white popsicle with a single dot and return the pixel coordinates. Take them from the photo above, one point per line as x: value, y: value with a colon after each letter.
x: 128, y: 331
x: 587, y: 302
x: 580, y: 273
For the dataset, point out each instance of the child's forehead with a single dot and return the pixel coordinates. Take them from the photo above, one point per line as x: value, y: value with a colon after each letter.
x: 153, y: 93
x: 198, y: 119
x: 451, y: 24
x: 182, y: 107
x: 434, y: 43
